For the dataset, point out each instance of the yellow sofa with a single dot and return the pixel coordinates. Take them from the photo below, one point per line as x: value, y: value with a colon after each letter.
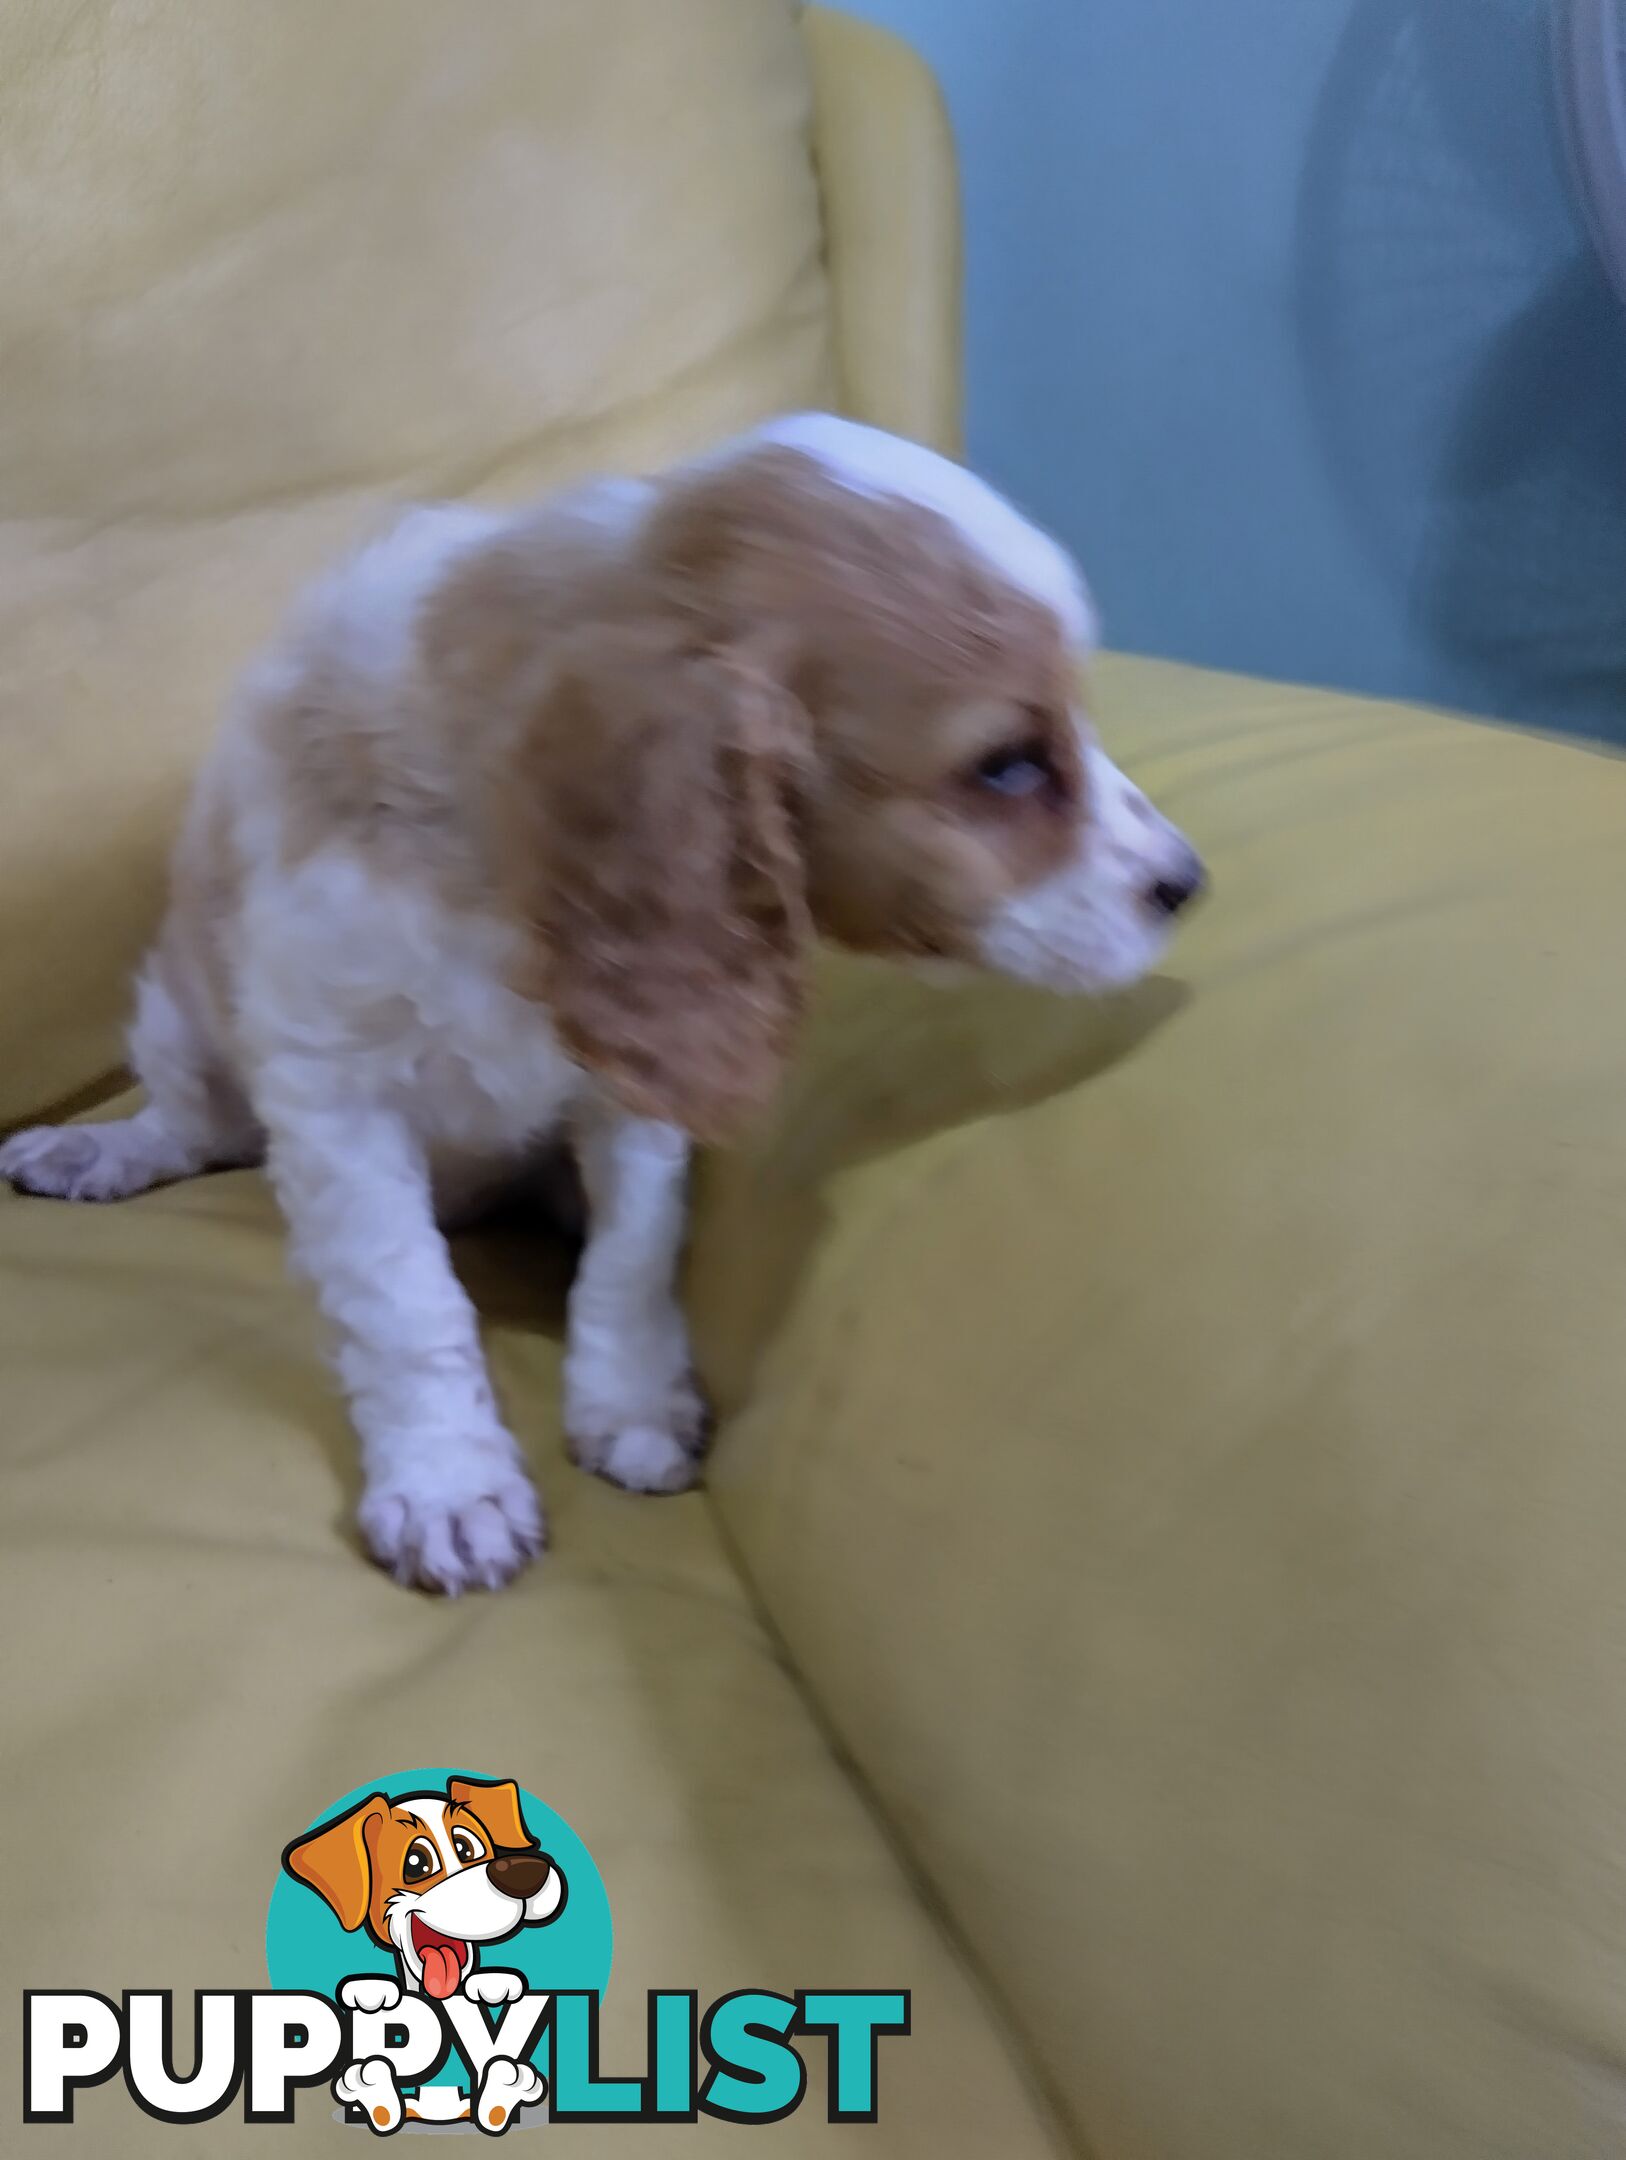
x: 1158, y: 1595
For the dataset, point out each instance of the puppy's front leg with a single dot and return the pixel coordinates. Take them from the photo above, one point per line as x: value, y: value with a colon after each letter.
x: 632, y: 1412
x: 445, y: 1502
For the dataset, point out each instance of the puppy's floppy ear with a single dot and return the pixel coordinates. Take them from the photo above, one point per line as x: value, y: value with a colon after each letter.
x: 335, y: 1860
x: 497, y: 1806
x: 654, y: 833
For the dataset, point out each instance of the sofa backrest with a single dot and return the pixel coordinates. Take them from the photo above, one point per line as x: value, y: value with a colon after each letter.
x: 270, y: 269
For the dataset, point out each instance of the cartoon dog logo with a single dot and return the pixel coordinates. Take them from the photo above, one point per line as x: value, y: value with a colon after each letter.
x: 434, y: 1877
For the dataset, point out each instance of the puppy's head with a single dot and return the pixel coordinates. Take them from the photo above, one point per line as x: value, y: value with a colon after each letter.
x: 841, y: 701
x: 432, y: 1876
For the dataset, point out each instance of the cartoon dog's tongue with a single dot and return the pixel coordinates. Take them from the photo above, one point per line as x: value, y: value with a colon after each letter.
x: 442, y: 1959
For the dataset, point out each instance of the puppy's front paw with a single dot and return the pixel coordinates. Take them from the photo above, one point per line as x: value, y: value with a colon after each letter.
x: 638, y: 1458
x: 633, y: 1414
x: 63, y: 1162
x: 468, y: 1521
x: 494, y: 1986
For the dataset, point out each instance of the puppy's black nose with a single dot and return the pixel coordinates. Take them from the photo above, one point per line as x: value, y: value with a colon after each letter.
x: 1172, y: 893
x: 520, y: 1875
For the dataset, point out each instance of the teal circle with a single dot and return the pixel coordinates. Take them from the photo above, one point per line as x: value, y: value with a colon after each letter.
x: 307, y: 1949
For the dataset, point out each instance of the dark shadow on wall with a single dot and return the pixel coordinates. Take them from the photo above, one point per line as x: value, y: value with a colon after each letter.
x: 1465, y: 357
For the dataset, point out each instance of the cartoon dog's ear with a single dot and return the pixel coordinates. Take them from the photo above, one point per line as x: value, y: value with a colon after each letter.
x: 335, y: 1860
x: 497, y: 1806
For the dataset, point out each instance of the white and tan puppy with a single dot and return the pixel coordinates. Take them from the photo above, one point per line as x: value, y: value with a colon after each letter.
x: 528, y: 826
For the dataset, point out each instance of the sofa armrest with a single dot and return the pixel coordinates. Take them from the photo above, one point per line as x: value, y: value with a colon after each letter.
x: 888, y: 173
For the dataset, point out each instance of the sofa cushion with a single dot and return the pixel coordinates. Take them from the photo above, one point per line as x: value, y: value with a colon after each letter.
x: 200, y: 1661
x: 271, y: 268
x: 1186, y: 1456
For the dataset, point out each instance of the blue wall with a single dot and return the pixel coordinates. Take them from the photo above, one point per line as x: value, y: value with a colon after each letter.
x: 1281, y: 313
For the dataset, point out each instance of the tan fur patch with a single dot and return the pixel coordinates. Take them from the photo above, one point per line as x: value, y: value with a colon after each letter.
x: 913, y: 658
x: 649, y: 843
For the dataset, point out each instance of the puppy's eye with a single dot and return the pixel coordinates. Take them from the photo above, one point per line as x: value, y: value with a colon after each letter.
x: 1017, y: 769
x: 421, y: 1861
x: 467, y: 1847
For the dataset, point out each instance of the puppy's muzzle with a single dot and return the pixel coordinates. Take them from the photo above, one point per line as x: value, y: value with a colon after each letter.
x: 1177, y: 888
x: 518, y: 1875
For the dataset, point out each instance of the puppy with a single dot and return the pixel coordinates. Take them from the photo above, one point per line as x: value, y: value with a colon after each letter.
x: 527, y: 826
